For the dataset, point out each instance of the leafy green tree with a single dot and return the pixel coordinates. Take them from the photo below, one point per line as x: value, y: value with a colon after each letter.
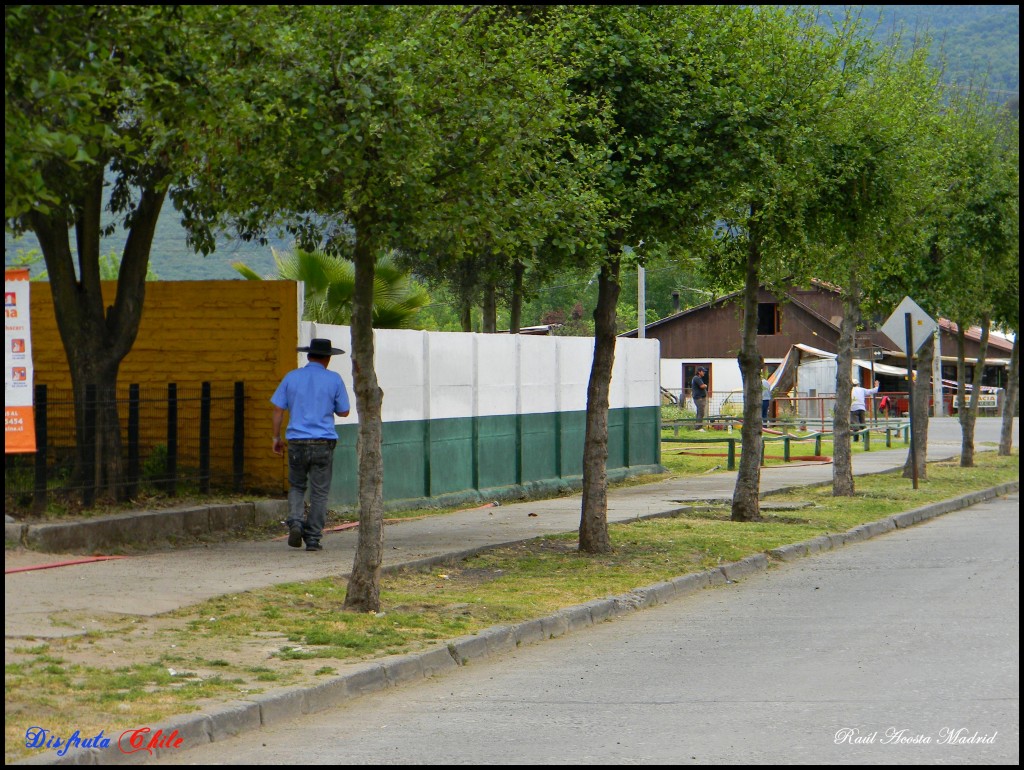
x: 329, y: 282
x: 964, y: 264
x: 392, y: 124
x: 511, y: 251
x: 979, y: 233
x: 880, y: 181
x: 785, y: 102
x: 639, y: 80
x: 98, y: 95
x: 909, y: 241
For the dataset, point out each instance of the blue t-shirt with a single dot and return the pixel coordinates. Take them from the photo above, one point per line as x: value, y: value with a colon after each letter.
x: 312, y: 395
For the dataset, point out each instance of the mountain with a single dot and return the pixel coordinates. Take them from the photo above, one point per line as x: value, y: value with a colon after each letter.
x: 972, y: 44
x: 172, y: 260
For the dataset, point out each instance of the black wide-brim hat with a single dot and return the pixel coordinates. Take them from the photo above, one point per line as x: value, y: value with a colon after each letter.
x: 321, y: 347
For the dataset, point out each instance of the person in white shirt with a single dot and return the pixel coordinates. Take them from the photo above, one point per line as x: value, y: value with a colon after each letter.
x: 766, y: 398
x: 858, y: 406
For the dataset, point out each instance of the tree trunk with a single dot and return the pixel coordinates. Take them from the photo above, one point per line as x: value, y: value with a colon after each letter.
x: 489, y: 323
x: 1010, y: 399
x: 842, y: 457
x: 466, y: 315
x: 594, y: 515
x: 363, y: 593
x: 922, y: 395
x: 745, y: 498
x: 969, y: 415
x: 96, y: 338
x: 515, y: 310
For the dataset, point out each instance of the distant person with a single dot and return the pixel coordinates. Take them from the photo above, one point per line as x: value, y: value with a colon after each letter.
x: 858, y: 406
x: 766, y: 399
x: 312, y: 395
x: 699, y: 388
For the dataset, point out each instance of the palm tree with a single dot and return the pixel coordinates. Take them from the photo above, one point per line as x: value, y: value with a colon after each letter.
x: 329, y: 282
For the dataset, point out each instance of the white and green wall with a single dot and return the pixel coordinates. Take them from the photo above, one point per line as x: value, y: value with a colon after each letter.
x: 470, y: 417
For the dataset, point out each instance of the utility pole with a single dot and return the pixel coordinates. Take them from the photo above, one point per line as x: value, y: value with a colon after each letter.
x: 641, y: 302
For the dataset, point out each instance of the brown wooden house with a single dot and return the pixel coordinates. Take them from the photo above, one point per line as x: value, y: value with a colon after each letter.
x: 713, y: 329
x: 710, y: 335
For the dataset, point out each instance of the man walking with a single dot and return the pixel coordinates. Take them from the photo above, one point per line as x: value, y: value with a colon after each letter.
x: 699, y: 388
x: 312, y: 395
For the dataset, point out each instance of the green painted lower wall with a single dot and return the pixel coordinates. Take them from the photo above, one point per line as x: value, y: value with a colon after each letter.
x: 447, y: 461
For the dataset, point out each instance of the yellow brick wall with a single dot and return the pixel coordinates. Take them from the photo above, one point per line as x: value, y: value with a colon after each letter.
x: 192, y: 332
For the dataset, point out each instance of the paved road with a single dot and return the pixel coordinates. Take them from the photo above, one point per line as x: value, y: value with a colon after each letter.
x: 43, y: 603
x: 903, y: 649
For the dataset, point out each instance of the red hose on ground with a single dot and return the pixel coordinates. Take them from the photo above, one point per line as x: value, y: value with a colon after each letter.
x: 88, y: 560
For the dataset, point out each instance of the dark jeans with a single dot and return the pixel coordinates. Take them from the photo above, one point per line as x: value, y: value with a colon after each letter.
x: 857, y: 422
x: 312, y: 463
x: 702, y: 409
x: 765, y: 403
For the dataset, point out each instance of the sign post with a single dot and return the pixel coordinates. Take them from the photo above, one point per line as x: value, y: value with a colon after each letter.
x: 918, y: 326
x: 908, y: 323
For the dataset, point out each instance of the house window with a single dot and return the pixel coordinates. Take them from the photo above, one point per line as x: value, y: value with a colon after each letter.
x: 769, y: 318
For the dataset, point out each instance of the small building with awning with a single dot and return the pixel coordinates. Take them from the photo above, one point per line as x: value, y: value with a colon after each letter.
x: 808, y: 374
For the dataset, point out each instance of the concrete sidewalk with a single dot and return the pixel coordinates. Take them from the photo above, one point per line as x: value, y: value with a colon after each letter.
x: 157, y: 582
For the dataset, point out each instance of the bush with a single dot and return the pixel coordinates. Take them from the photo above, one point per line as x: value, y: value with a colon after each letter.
x: 155, y: 466
x: 670, y: 412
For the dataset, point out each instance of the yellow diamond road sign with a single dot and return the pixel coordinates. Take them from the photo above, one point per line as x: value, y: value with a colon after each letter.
x: 922, y: 326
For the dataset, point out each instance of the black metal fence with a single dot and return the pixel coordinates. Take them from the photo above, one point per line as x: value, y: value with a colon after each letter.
x: 190, y: 436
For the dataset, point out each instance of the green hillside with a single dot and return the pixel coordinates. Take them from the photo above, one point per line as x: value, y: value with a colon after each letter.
x: 172, y: 260
x: 972, y: 44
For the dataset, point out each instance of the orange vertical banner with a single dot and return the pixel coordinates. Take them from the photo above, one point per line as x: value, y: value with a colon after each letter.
x: 19, y: 416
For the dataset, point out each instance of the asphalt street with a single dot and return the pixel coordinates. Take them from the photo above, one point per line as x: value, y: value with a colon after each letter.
x: 900, y: 650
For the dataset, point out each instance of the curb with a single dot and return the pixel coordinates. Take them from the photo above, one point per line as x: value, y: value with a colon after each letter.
x: 145, y: 528
x: 236, y: 717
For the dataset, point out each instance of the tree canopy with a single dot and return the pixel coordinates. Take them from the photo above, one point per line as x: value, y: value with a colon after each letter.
x: 98, y: 96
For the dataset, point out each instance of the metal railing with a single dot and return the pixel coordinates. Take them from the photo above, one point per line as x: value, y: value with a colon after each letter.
x: 731, y: 424
x: 818, y: 410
